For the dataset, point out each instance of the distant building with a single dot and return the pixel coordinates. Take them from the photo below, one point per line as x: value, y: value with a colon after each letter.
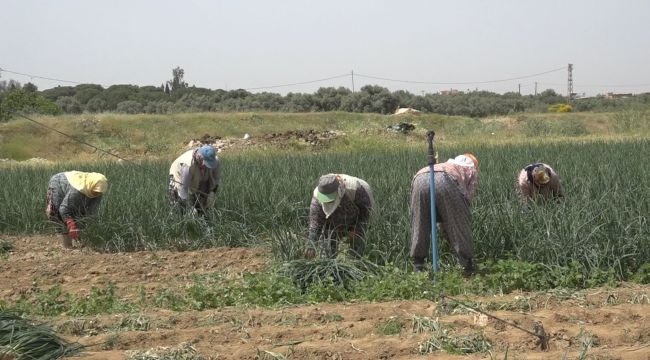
x: 450, y: 92
x: 407, y: 111
x: 617, y: 96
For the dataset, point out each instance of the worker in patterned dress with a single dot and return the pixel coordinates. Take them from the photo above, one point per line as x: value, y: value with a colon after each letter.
x: 539, y: 181
x: 455, y: 185
x: 71, y: 196
x: 340, y: 208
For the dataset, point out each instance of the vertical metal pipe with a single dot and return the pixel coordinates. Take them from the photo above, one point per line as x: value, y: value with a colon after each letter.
x: 432, y: 194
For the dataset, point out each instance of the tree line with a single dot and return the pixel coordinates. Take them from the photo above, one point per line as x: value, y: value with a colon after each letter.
x: 176, y: 96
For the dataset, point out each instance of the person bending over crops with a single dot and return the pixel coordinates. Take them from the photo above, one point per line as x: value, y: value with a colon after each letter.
x: 71, y: 196
x: 455, y: 184
x: 539, y: 181
x: 194, y: 180
x: 340, y: 208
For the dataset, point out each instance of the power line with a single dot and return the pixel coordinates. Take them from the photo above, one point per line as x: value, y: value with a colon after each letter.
x: 629, y: 85
x: 324, y: 79
x: 595, y: 85
x: 298, y: 83
x: 72, y: 137
x: 252, y: 88
x: 90, y: 145
x: 461, y: 82
x: 39, y: 77
x: 352, y: 74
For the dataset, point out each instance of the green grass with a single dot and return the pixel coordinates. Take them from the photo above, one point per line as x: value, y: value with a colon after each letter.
x: 274, y: 288
x: 155, y: 136
x: 391, y: 326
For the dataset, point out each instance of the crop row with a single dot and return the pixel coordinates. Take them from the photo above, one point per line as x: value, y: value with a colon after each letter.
x: 264, y: 199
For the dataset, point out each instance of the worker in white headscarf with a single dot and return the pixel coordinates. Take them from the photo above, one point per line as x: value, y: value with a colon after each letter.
x: 194, y: 180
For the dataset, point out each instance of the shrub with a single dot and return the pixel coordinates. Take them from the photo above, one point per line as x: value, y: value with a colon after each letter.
x: 129, y: 107
x: 96, y: 104
x: 47, y: 107
x: 560, y: 108
x: 25, y: 101
x: 537, y: 127
x: 69, y: 105
x: 572, y: 128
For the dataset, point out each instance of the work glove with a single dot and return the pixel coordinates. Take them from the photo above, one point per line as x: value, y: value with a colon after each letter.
x: 73, y: 232
x: 310, y: 253
x: 353, y: 234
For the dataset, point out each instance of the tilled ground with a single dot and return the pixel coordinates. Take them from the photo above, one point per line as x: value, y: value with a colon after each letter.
x: 604, y: 323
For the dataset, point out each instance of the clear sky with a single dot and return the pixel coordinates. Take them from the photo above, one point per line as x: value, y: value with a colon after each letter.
x: 256, y: 43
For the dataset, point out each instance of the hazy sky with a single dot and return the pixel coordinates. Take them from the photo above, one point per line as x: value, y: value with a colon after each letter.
x: 250, y: 44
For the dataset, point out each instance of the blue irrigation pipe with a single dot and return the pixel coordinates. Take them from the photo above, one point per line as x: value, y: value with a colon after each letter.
x: 432, y: 194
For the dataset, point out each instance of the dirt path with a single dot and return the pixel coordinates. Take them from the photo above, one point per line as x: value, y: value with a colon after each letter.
x: 616, y: 322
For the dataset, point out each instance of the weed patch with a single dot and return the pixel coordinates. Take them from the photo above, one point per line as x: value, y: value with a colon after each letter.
x: 392, y: 326
x: 184, y: 351
x: 443, y: 340
x: 5, y: 247
x: 423, y: 324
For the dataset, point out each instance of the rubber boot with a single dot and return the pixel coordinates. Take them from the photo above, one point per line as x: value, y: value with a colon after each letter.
x: 469, y: 269
x: 67, y: 241
x: 418, y: 265
x: 357, y: 246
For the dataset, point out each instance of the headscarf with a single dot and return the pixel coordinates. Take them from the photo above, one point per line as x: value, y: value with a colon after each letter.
x: 464, y: 160
x: 473, y: 158
x: 540, y: 177
x: 88, y: 184
x: 346, y: 185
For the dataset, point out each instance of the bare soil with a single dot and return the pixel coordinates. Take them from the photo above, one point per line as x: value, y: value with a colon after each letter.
x: 616, y: 321
x: 312, y: 138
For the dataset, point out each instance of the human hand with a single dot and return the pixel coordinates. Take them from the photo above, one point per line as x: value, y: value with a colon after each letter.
x: 310, y: 253
x: 212, y: 199
x: 73, y: 232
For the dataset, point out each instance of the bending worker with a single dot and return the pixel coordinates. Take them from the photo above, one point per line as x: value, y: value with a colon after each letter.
x: 456, y: 182
x: 340, y: 207
x: 539, y: 181
x: 194, y: 180
x: 71, y: 196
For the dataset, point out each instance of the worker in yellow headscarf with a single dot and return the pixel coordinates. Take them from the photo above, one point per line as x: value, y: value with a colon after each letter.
x: 71, y: 196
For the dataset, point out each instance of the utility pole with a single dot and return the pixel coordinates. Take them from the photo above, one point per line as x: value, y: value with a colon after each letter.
x: 519, y: 89
x: 352, y: 76
x: 535, y: 88
x: 569, y: 94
